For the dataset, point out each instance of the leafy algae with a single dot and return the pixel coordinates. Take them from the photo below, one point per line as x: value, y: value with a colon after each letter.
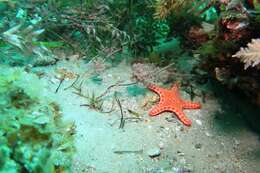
x: 33, y: 137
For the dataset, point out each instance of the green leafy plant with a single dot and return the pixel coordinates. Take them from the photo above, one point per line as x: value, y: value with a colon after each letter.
x: 148, y: 32
x: 33, y: 138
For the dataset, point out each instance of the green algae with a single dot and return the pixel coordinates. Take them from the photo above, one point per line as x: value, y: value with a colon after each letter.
x: 33, y: 137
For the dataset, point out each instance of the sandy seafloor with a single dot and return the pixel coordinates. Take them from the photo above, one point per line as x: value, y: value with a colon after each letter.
x: 210, y: 145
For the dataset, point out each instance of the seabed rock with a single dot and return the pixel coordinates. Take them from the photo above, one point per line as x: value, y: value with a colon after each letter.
x: 156, y: 170
x: 154, y: 152
x: 181, y: 170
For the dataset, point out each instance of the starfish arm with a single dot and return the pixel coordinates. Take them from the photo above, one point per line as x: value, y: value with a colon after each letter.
x: 190, y: 105
x: 157, y: 109
x: 171, y: 101
x: 155, y: 88
x: 182, y: 117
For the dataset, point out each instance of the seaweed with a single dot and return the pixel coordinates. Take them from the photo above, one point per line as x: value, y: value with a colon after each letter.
x: 33, y: 137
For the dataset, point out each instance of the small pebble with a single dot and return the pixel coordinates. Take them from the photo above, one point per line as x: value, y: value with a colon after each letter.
x: 218, y: 154
x: 198, y: 146
x: 156, y: 170
x: 154, y: 152
x: 181, y: 170
x: 180, y: 153
x: 150, y: 127
x: 237, y: 142
x: 161, y: 145
x: 199, y: 122
x: 208, y: 134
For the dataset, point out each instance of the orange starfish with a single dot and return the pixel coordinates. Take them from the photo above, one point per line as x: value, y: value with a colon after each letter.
x: 170, y: 101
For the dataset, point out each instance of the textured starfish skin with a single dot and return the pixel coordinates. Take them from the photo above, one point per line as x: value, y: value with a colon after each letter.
x: 170, y: 101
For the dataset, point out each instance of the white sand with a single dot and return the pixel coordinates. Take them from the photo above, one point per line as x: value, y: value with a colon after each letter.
x: 223, y: 149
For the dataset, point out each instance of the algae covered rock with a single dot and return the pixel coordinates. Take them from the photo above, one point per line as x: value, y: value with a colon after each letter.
x: 33, y: 137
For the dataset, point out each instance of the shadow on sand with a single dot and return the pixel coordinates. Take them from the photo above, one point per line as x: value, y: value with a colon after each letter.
x: 236, y: 111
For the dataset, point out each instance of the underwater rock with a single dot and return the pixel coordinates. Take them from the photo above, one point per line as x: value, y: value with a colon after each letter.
x: 236, y: 144
x: 198, y: 122
x: 44, y: 61
x: 208, y: 134
x: 181, y: 170
x: 154, y: 152
x: 180, y: 153
x: 156, y: 170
